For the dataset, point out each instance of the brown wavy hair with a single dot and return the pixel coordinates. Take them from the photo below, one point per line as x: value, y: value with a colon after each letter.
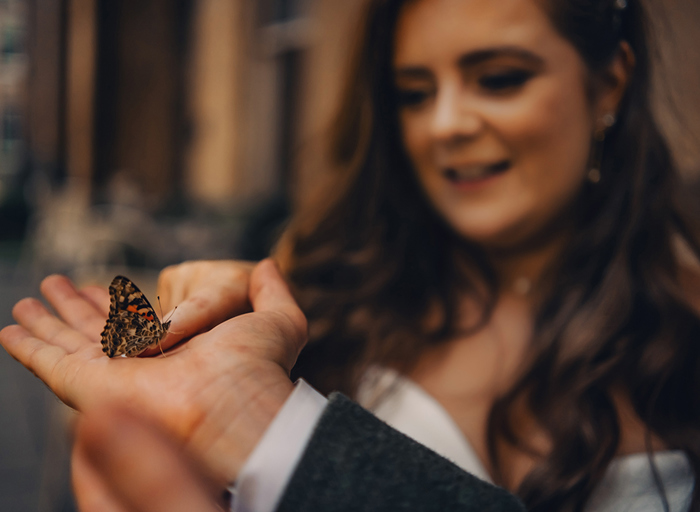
x: 380, y: 275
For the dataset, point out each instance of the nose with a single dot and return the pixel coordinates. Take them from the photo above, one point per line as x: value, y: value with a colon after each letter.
x: 455, y: 117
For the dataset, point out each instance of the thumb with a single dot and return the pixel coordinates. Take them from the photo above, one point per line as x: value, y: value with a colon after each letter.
x: 270, y: 293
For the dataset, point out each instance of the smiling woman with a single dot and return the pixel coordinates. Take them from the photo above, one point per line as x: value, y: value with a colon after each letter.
x: 493, y: 268
x: 500, y: 231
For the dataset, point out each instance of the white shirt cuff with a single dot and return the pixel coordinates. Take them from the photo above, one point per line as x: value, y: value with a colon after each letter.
x: 267, y: 471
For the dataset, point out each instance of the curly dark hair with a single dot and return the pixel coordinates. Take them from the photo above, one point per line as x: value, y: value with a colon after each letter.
x: 371, y: 262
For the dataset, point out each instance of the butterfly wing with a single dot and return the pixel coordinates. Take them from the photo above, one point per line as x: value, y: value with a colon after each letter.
x: 132, y: 325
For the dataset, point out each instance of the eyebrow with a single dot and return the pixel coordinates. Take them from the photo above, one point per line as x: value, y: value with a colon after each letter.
x: 479, y: 56
x: 474, y: 58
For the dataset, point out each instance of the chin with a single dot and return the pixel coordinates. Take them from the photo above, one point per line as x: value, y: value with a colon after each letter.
x: 486, y: 238
x: 481, y: 228
x: 497, y: 234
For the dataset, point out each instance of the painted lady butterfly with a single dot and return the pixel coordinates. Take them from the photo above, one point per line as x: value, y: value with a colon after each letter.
x: 132, y: 325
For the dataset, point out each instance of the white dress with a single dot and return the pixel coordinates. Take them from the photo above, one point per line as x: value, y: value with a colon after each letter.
x: 628, y: 484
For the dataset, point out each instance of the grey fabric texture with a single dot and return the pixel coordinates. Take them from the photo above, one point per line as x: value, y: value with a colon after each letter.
x: 355, y: 462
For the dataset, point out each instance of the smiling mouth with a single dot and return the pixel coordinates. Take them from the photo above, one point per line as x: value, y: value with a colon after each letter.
x: 471, y: 173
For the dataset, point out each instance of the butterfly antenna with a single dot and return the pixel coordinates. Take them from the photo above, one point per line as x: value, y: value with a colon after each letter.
x: 171, y: 315
x: 160, y: 346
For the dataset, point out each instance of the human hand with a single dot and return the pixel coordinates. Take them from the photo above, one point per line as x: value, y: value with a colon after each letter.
x: 206, y: 293
x: 215, y: 394
x: 123, y: 463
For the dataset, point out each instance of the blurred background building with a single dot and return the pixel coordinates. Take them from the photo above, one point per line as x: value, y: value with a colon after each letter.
x: 14, y: 69
x: 163, y: 130
x: 140, y: 133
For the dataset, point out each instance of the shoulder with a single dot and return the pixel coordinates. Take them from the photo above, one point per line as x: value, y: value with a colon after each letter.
x: 354, y: 461
x: 632, y: 483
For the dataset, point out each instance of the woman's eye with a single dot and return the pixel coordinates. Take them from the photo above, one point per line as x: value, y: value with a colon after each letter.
x: 504, y: 81
x: 411, y: 98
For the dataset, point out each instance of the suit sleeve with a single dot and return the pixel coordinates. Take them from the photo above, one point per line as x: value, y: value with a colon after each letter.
x: 355, y: 462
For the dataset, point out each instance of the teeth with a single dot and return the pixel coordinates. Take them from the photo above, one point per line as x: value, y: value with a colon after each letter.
x: 470, y: 173
x: 474, y: 172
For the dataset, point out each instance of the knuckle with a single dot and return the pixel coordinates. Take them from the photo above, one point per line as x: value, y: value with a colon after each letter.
x: 242, y: 269
x: 167, y: 274
x: 200, y: 302
x: 236, y: 270
x: 300, y: 321
x: 294, y: 326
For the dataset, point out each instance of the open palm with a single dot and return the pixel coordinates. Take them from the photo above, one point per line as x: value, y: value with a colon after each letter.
x: 198, y: 392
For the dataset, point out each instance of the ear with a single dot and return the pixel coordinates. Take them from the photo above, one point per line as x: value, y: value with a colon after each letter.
x: 613, y: 82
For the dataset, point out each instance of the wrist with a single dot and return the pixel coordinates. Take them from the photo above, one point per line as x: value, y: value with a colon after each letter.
x: 240, y: 413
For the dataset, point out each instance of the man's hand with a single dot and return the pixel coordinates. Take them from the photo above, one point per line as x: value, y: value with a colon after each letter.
x: 215, y: 394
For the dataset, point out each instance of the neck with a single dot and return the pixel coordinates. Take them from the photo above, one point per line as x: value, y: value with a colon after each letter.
x: 524, y: 271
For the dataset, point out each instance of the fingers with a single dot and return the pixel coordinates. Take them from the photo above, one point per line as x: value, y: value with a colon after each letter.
x: 194, y: 315
x: 99, y: 297
x: 275, y: 308
x: 134, y: 461
x: 40, y: 323
x: 73, y: 307
x: 201, y: 312
x: 206, y: 294
x: 269, y: 293
x: 42, y: 359
x: 171, y: 287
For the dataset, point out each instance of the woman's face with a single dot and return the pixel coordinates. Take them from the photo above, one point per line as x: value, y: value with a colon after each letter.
x: 495, y: 112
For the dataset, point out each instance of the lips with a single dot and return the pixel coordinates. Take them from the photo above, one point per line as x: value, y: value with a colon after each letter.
x: 472, y: 173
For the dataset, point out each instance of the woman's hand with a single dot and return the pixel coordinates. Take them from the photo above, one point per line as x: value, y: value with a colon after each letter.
x: 206, y: 293
x: 215, y: 394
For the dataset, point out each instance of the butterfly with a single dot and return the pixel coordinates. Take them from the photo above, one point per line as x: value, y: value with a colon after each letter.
x: 132, y: 325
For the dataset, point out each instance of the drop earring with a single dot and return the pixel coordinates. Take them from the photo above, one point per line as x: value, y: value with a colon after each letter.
x: 594, y: 175
x: 606, y: 122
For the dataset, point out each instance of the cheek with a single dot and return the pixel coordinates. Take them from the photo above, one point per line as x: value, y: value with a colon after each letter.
x: 414, y: 137
x: 559, y: 122
x: 550, y: 135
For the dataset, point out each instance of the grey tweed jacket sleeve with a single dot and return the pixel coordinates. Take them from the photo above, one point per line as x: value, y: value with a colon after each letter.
x: 355, y: 462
